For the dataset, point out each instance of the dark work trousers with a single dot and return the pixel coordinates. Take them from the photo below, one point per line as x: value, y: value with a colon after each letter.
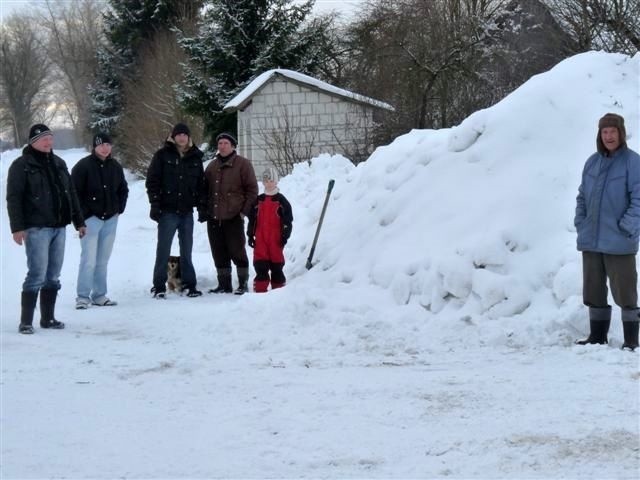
x: 227, y: 242
x: 622, y: 275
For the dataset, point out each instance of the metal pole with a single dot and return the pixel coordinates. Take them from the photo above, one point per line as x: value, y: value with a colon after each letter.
x: 315, y: 239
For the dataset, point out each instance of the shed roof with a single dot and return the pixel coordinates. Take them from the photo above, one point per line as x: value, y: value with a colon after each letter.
x: 241, y: 100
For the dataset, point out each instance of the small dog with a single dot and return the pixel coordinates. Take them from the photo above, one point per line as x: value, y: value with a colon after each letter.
x: 174, y: 277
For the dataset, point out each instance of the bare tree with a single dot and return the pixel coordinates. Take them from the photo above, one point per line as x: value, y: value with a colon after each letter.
x: 420, y: 52
x: 74, y: 33
x: 529, y: 40
x: 285, y: 141
x: 611, y: 25
x: 358, y: 137
x: 438, y: 61
x: 23, y: 76
x: 151, y: 104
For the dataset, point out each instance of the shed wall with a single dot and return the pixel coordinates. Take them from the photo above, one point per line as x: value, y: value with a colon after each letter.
x: 308, y: 121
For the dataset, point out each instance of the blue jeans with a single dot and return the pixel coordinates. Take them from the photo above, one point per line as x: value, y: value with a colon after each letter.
x: 167, y: 226
x: 97, y: 246
x: 44, y: 247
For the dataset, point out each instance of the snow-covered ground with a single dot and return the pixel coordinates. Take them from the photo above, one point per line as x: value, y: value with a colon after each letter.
x: 432, y: 338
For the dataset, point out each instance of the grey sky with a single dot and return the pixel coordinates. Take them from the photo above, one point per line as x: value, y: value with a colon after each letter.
x: 344, y: 7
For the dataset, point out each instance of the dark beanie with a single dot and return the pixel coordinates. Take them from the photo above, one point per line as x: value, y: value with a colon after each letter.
x: 180, y: 128
x: 229, y: 137
x: 611, y: 120
x: 38, y: 131
x: 101, y: 138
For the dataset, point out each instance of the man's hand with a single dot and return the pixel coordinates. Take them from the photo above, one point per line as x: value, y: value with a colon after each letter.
x: 82, y: 231
x: 20, y: 237
x: 202, y: 216
x: 155, y: 214
x: 251, y: 241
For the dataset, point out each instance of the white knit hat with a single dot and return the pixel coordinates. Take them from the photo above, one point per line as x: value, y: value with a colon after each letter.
x: 270, y: 173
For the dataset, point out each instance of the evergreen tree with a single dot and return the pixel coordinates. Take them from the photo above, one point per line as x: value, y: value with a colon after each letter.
x: 239, y: 39
x: 105, y: 94
x: 128, y: 25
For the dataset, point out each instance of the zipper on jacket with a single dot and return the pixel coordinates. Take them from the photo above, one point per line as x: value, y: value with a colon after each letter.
x: 604, y: 182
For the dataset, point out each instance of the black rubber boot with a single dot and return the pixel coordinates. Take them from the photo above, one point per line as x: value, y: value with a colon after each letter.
x: 28, y: 303
x: 243, y: 281
x: 630, y: 323
x: 47, y: 309
x: 224, y: 281
x: 599, y: 322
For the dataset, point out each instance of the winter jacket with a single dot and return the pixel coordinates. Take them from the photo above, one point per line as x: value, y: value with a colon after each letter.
x: 101, y: 186
x: 40, y: 192
x: 231, y: 187
x: 608, y: 204
x: 174, y: 182
x: 270, y: 224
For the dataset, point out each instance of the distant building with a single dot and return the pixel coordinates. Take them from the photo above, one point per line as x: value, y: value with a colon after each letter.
x: 285, y: 117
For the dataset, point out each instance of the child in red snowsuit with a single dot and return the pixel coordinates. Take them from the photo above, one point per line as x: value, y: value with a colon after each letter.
x: 269, y: 229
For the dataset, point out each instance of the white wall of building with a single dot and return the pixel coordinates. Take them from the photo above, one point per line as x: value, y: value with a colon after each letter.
x: 311, y: 122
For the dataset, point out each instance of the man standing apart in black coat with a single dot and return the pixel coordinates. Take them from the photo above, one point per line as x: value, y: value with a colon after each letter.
x: 41, y: 201
x: 174, y: 184
x: 102, y: 192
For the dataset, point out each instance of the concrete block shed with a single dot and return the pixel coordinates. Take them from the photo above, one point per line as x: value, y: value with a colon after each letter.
x: 285, y: 117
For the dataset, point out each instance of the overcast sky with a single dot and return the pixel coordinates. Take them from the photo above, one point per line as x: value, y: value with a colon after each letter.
x: 345, y: 7
x: 8, y: 6
x: 341, y: 6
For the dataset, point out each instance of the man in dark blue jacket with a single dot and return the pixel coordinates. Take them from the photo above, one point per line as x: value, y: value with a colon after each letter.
x: 102, y: 192
x: 174, y: 185
x: 42, y: 201
x: 608, y: 224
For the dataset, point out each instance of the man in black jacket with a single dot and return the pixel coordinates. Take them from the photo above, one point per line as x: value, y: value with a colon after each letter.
x: 174, y: 186
x: 42, y: 201
x: 102, y: 192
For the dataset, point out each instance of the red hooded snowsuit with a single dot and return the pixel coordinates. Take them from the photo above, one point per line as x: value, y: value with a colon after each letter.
x: 270, y: 223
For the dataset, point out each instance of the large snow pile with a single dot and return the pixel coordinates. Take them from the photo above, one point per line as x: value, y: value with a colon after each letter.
x: 476, y: 222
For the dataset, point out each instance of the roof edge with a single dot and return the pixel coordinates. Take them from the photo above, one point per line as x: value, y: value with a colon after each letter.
x: 242, y: 99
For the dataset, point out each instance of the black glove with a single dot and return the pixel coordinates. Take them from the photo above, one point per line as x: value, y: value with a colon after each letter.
x: 202, y: 216
x: 251, y: 241
x: 286, y: 232
x: 155, y: 213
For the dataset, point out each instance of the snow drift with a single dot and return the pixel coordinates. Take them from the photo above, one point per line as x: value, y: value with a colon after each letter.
x: 476, y: 222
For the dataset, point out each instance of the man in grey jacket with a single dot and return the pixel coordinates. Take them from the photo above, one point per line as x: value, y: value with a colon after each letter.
x: 608, y: 224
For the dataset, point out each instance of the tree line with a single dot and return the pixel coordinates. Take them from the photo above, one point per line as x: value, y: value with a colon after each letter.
x: 133, y: 68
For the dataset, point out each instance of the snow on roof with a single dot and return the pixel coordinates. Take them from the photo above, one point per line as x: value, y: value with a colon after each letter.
x: 239, y: 101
